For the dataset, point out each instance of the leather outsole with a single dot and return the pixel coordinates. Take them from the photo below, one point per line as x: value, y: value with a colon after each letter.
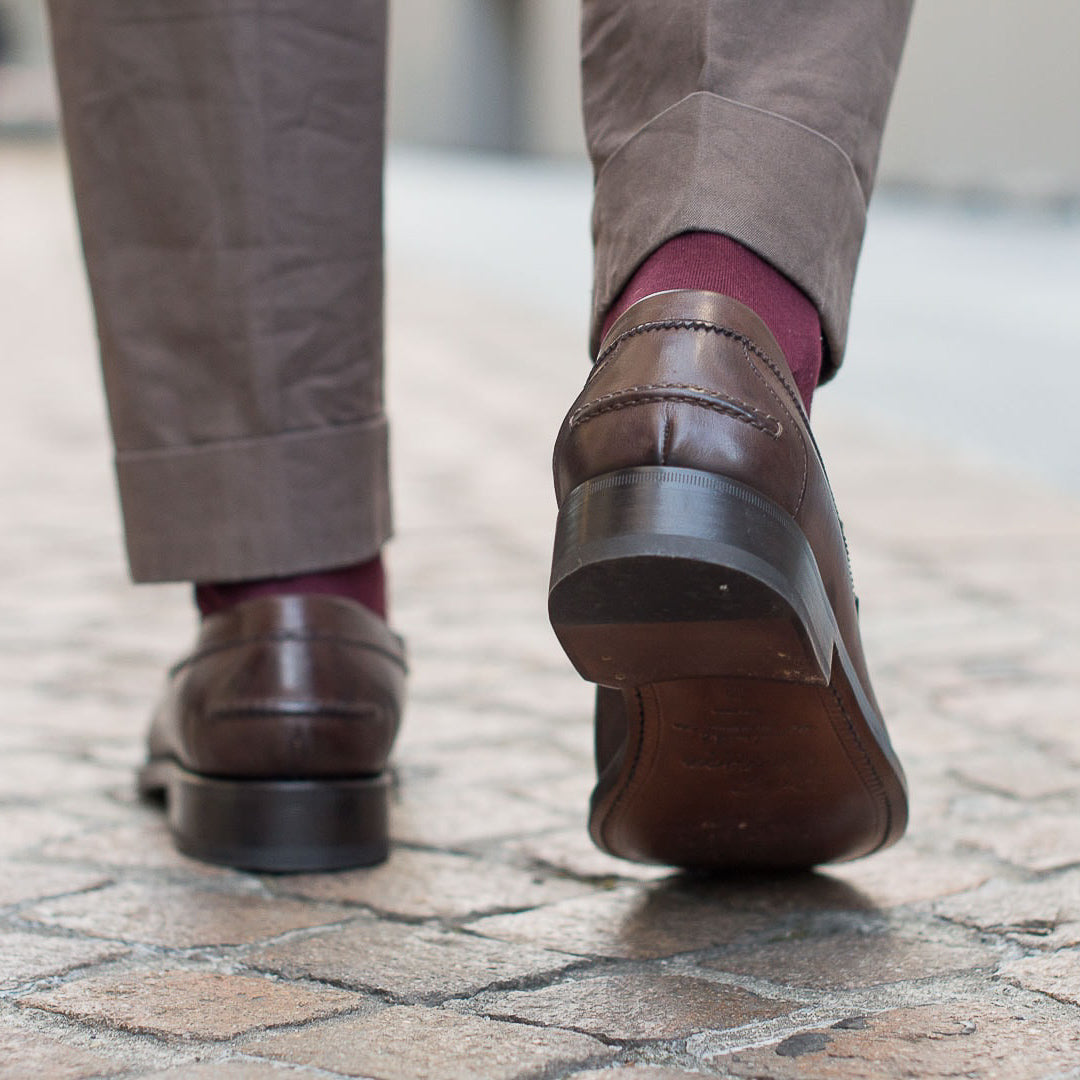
x: 747, y: 739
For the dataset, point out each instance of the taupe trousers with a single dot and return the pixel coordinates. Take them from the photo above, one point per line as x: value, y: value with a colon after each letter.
x: 227, y: 165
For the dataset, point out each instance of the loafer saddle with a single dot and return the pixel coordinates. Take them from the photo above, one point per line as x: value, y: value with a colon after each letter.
x: 700, y: 578
x: 270, y: 746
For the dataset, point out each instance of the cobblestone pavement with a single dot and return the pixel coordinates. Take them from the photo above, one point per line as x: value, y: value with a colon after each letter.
x: 496, y: 942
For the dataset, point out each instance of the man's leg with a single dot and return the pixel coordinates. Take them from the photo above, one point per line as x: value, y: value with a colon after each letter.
x: 760, y: 121
x: 227, y: 166
x: 700, y: 572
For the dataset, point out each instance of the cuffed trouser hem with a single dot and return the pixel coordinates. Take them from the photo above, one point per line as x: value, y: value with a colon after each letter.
x: 710, y: 164
x: 260, y: 507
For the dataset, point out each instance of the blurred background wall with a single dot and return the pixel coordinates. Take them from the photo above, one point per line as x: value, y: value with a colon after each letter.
x: 988, y: 100
x: 27, y: 98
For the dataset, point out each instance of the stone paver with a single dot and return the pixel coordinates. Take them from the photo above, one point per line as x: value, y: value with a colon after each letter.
x: 191, y: 1004
x: 25, y: 1053
x: 677, y: 915
x: 1042, y: 913
x: 497, y: 942
x: 1057, y: 975
x: 433, y: 884
x: 851, y: 959
x: 634, y: 1007
x: 20, y: 882
x: 457, y: 816
x: 34, y: 956
x: 637, y: 1072
x: 408, y: 961
x: 1030, y: 839
x: 992, y: 1042
x: 632, y: 923
x: 24, y: 828
x: 231, y: 1070
x: 407, y: 1043
x: 142, y: 843
x: 904, y: 874
x: 571, y: 853
x: 1025, y: 773
x: 181, y: 916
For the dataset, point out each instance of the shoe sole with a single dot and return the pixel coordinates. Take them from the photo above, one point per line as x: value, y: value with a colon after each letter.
x: 275, y: 826
x: 697, y: 606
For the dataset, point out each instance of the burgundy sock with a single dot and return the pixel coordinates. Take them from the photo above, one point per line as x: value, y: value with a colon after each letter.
x: 363, y: 582
x: 715, y: 263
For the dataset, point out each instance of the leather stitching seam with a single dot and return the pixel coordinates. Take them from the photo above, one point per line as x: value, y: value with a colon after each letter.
x: 683, y: 393
x: 697, y: 325
x: 795, y: 427
x: 877, y: 785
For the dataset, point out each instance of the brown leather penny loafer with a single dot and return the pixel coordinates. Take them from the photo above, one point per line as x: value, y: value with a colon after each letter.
x: 701, y: 578
x: 270, y: 747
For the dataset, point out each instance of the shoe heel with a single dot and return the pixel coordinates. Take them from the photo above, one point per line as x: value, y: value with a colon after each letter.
x: 739, y: 737
x: 664, y: 573
x: 275, y: 826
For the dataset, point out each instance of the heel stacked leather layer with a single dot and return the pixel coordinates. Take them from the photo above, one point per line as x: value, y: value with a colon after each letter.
x: 273, y: 826
x: 743, y: 736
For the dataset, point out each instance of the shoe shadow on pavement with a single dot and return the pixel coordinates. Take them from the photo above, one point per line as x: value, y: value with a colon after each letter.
x: 790, y: 935
x: 689, y: 914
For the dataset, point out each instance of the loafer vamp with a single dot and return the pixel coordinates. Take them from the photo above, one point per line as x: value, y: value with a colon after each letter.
x: 288, y: 687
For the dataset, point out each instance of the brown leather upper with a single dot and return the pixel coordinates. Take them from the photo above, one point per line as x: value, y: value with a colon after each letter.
x: 696, y: 380
x: 289, y: 687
